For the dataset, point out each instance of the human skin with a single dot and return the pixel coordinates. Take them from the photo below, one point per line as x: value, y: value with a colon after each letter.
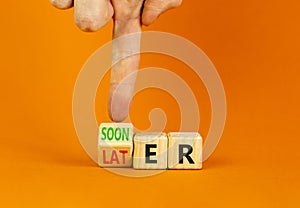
x: 128, y: 17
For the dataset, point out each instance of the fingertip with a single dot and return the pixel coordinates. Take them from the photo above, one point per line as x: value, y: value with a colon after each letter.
x: 154, y: 8
x: 119, y: 101
x: 149, y: 17
x: 175, y: 3
x: 118, y: 110
x: 93, y: 16
x: 91, y: 23
x: 62, y: 4
x: 88, y: 24
x: 118, y: 116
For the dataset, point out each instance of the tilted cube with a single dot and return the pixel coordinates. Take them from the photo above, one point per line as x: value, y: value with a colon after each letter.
x: 115, y: 145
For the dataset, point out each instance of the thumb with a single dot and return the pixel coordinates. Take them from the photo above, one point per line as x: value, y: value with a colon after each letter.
x: 154, y: 8
x: 123, y: 73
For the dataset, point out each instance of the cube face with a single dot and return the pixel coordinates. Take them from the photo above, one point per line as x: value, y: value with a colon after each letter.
x: 150, y: 151
x: 115, y: 155
x: 184, y: 150
x: 115, y: 132
x: 115, y: 145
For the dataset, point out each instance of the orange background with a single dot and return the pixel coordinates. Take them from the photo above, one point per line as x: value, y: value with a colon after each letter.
x: 254, y: 45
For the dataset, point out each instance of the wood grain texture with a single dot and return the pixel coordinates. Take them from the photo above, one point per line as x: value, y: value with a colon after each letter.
x: 150, y: 151
x: 115, y: 145
x: 115, y: 155
x: 184, y: 150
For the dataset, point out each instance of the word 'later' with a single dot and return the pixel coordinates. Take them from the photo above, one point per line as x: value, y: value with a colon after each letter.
x: 119, y: 147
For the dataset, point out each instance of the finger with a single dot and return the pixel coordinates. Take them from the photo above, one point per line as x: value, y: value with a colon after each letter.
x: 123, y: 74
x: 91, y: 15
x: 154, y: 8
x: 62, y: 4
x: 120, y: 100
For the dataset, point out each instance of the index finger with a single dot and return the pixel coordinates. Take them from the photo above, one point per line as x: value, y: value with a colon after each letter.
x: 123, y: 73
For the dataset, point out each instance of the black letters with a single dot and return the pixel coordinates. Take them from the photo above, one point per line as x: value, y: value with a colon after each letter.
x: 148, y: 153
x: 187, y: 155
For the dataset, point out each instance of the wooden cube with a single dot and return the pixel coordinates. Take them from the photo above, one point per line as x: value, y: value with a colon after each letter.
x: 115, y: 145
x: 184, y: 150
x: 150, y: 151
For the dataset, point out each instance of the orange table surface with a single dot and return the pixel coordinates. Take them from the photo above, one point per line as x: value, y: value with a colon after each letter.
x: 255, y: 47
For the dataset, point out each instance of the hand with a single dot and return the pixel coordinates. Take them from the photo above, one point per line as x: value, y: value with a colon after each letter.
x: 128, y: 16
